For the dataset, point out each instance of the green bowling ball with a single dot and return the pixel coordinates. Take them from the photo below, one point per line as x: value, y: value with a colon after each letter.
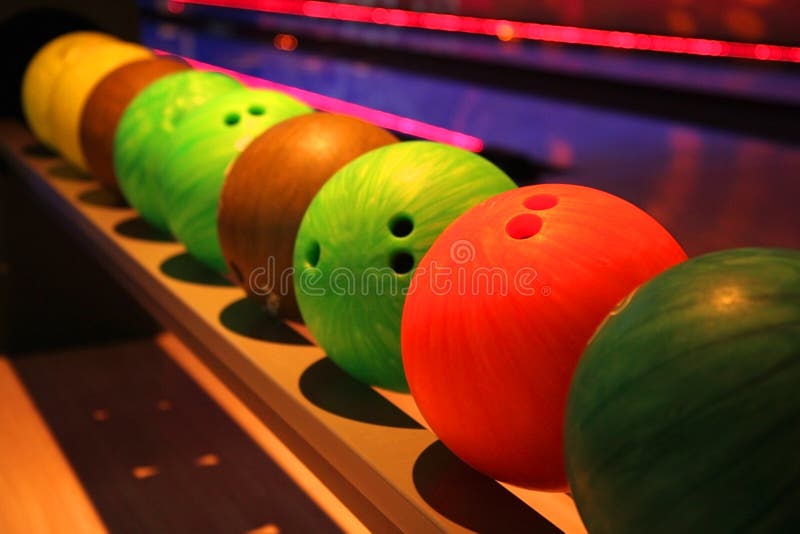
x: 683, y: 414
x: 202, y: 149
x: 363, y: 235
x: 145, y: 129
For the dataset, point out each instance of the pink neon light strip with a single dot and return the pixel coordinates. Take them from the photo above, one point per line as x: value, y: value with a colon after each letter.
x: 511, y: 29
x: 326, y: 103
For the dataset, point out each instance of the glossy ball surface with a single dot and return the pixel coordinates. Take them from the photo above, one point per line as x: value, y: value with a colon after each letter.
x: 685, y: 404
x: 503, y: 305
x: 201, y: 152
x: 105, y: 107
x: 39, y: 80
x: 73, y: 87
x: 268, y: 190
x: 363, y: 235
x: 145, y: 130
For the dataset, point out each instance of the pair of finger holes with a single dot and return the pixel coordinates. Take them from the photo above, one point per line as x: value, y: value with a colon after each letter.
x: 401, y: 261
x: 527, y: 225
x: 233, y: 118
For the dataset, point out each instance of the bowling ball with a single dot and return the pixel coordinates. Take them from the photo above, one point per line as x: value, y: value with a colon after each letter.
x: 145, y: 130
x: 362, y: 236
x: 75, y: 84
x: 502, y: 307
x: 105, y: 107
x: 39, y: 80
x: 268, y: 190
x: 202, y: 149
x: 684, y: 406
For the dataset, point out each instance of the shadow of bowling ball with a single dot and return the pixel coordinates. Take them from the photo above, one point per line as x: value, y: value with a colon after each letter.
x: 103, y: 198
x: 246, y: 318
x: 185, y: 268
x: 138, y: 228
x: 474, y: 501
x: 330, y: 388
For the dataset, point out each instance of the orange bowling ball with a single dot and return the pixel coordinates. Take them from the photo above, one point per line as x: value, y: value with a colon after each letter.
x: 500, y: 310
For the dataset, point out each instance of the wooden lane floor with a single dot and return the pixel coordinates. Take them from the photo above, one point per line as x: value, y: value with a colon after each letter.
x: 140, y: 437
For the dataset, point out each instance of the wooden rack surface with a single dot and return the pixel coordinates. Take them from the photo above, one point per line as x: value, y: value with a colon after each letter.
x: 371, y: 447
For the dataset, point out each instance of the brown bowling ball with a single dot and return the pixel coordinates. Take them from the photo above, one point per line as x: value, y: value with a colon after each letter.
x: 268, y: 189
x: 106, y: 105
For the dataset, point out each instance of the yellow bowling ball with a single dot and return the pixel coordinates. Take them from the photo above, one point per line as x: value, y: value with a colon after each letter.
x: 44, y: 68
x: 74, y: 86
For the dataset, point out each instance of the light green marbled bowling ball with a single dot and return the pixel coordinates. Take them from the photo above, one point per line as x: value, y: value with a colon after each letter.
x: 362, y: 237
x: 145, y: 130
x: 202, y: 150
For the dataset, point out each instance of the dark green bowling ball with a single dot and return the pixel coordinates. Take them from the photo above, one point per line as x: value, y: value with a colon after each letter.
x: 684, y: 411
